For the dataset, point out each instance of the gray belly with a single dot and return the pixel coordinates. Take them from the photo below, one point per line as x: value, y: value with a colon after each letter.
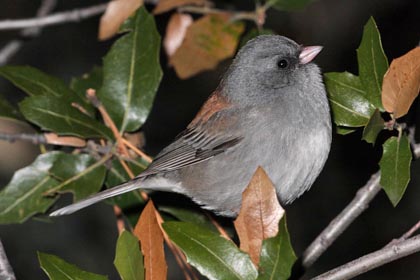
x: 292, y: 160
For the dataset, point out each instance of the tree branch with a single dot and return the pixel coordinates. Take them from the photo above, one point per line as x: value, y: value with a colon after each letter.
x: 13, y: 46
x: 6, y: 270
x: 69, y: 16
x: 373, y: 260
x: 340, y: 223
x: 336, y: 227
x: 34, y: 138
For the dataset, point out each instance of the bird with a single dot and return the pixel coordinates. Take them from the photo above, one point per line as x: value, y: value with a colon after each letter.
x: 270, y: 109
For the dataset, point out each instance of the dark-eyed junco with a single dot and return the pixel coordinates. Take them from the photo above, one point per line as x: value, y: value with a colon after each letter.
x: 270, y: 110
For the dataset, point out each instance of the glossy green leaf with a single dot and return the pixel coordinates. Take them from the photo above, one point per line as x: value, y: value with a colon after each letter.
x: 56, y: 114
x: 212, y: 255
x: 34, y: 82
x: 277, y: 255
x: 93, y: 80
x: 7, y: 110
x: 254, y: 33
x: 395, y: 167
x: 289, y: 5
x: 132, y: 74
x: 348, y: 103
x: 23, y: 196
x: 58, y: 269
x: 79, y: 174
x: 372, y: 63
x: 189, y: 215
x: 128, y: 258
x: 374, y: 126
x: 342, y: 130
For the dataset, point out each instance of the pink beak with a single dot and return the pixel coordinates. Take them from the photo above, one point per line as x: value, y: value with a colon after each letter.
x: 309, y: 53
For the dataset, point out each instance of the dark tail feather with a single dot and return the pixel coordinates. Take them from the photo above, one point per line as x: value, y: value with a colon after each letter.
x: 117, y: 190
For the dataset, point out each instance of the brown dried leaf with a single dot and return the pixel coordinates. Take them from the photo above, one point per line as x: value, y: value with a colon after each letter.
x: 116, y: 13
x: 401, y: 83
x: 167, y: 5
x: 259, y: 216
x: 175, y: 32
x: 150, y: 235
x: 208, y: 41
x: 71, y: 141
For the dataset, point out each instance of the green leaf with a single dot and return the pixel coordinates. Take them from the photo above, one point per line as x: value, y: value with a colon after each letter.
x: 254, y: 33
x: 342, y: 130
x: 348, y: 103
x: 128, y: 259
x: 190, y: 216
x: 374, y: 126
x: 132, y: 74
x: 7, y: 111
x: 372, y: 63
x: 288, y: 5
x: 57, y: 115
x: 214, y: 256
x: 93, y: 79
x: 395, y: 167
x: 58, y: 269
x: 79, y: 174
x: 23, y: 196
x: 34, y: 82
x: 277, y: 255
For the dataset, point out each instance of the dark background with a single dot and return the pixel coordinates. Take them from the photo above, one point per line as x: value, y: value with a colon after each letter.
x: 88, y: 238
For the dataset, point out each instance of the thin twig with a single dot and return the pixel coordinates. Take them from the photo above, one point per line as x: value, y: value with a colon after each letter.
x: 13, y: 46
x: 127, y: 169
x: 6, y: 270
x: 179, y: 256
x: 357, y: 206
x: 36, y: 139
x: 373, y: 260
x: 236, y: 15
x: 119, y: 218
x: 49, y: 138
x: 91, y: 95
x: 219, y: 228
x: 75, y: 15
x: 137, y: 151
x: 406, y: 235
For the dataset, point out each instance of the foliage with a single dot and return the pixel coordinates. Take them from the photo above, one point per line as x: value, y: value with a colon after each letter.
x: 126, y: 86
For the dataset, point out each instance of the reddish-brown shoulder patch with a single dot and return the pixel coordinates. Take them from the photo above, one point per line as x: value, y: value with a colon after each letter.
x: 214, y: 104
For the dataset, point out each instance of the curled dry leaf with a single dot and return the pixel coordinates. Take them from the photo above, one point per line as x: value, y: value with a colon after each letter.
x: 402, y: 83
x: 259, y: 216
x: 116, y: 13
x: 167, y: 5
x: 208, y: 41
x: 71, y: 141
x: 175, y: 32
x: 150, y: 235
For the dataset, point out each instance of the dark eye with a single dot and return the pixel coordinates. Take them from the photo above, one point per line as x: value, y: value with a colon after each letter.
x: 282, y: 63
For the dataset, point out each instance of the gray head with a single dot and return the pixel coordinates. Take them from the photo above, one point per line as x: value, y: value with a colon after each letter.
x: 268, y: 63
